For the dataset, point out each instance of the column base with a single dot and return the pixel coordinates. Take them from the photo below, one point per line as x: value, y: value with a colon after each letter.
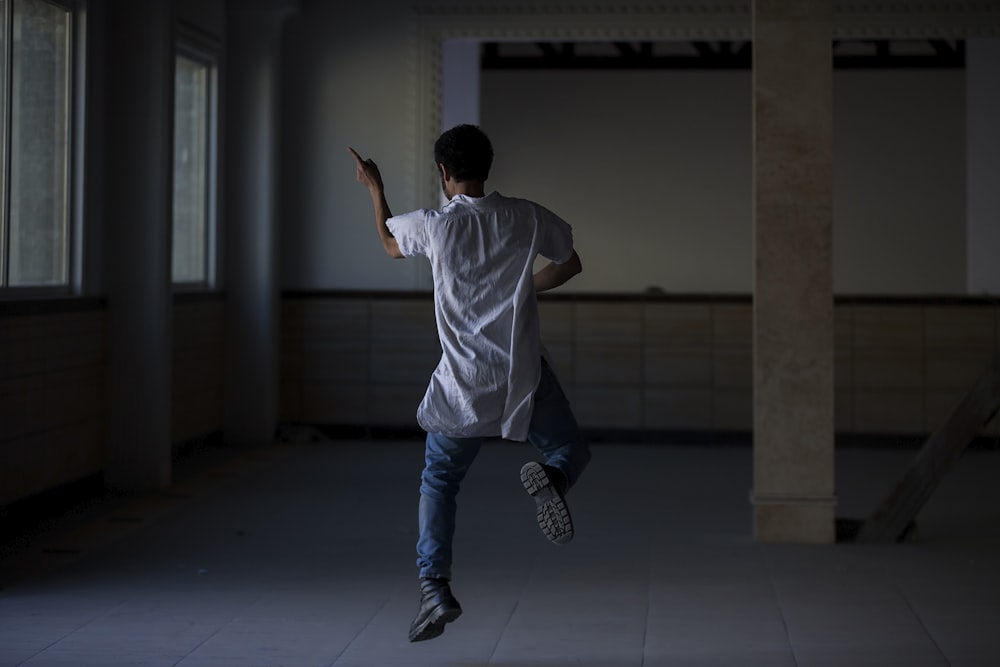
x: 795, y: 520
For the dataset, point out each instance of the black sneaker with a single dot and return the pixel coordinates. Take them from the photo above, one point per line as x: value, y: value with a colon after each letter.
x: 437, y: 608
x: 547, y: 486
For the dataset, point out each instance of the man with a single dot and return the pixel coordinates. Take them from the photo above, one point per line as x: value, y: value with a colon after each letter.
x: 492, y: 379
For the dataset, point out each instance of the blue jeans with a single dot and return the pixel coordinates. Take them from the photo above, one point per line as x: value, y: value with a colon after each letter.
x: 553, y: 431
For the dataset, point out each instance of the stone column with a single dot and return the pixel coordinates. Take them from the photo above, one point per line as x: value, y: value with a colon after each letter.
x: 253, y: 303
x: 793, y: 271
x: 138, y: 158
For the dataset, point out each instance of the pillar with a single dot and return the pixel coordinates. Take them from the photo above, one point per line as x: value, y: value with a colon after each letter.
x: 793, y: 276
x: 251, y: 233
x: 137, y: 227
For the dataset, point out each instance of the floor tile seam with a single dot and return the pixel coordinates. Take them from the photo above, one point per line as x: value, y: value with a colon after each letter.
x: 364, y: 626
x: 898, y: 593
x: 513, y: 612
x: 923, y: 626
x: 220, y: 627
x: 647, y: 602
x: 776, y: 599
x: 93, y: 619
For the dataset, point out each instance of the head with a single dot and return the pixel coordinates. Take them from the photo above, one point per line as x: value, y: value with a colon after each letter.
x: 465, y: 154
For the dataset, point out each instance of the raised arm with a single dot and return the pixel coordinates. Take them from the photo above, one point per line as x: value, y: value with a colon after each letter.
x: 370, y: 177
x: 553, y: 275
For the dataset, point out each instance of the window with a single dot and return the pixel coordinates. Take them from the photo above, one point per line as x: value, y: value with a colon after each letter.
x: 194, y: 168
x: 35, y: 95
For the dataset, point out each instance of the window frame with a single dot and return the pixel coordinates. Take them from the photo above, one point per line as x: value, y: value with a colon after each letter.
x: 75, y: 96
x: 193, y: 44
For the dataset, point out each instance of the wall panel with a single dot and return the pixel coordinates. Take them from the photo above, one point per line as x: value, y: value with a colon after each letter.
x: 51, y: 400
x: 198, y: 385
x: 644, y: 363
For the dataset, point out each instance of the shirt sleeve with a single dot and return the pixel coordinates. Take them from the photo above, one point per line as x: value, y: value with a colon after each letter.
x: 410, y: 232
x: 555, y: 237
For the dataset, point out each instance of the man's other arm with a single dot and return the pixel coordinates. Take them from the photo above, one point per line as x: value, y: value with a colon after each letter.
x: 553, y: 275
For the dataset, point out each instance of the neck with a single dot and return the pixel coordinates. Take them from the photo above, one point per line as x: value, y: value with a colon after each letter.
x: 469, y: 188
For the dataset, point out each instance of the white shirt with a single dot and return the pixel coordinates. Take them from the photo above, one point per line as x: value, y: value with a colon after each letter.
x: 482, y: 253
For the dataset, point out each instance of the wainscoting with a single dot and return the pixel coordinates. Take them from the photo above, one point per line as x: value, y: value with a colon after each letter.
x: 51, y: 398
x: 198, y: 368
x: 52, y: 387
x: 649, y: 363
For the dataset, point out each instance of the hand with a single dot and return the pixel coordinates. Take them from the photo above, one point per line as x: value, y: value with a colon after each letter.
x: 368, y: 173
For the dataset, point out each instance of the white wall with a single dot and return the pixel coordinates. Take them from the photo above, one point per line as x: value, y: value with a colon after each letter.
x: 899, y: 182
x: 460, y: 82
x: 651, y: 168
x: 345, y: 83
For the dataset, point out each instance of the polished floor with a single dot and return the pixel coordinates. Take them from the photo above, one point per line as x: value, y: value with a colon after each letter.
x: 302, y: 554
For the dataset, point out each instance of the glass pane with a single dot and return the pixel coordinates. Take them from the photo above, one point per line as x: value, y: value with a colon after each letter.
x: 190, y: 170
x: 39, y: 151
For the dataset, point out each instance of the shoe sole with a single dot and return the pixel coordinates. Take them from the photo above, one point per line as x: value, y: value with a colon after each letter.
x: 550, y: 507
x: 433, y: 626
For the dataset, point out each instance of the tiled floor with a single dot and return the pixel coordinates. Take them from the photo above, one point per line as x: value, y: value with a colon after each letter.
x: 303, y: 555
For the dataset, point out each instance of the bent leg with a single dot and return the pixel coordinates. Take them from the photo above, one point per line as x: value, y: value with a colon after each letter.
x: 554, y: 431
x: 446, y: 461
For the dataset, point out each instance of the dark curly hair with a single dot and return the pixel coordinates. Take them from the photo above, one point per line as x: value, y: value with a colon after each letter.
x: 466, y: 152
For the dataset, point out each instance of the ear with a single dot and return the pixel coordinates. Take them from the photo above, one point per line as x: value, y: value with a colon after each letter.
x: 444, y: 172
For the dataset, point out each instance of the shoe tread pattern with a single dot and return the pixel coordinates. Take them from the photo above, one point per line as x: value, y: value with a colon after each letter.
x: 551, y: 509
